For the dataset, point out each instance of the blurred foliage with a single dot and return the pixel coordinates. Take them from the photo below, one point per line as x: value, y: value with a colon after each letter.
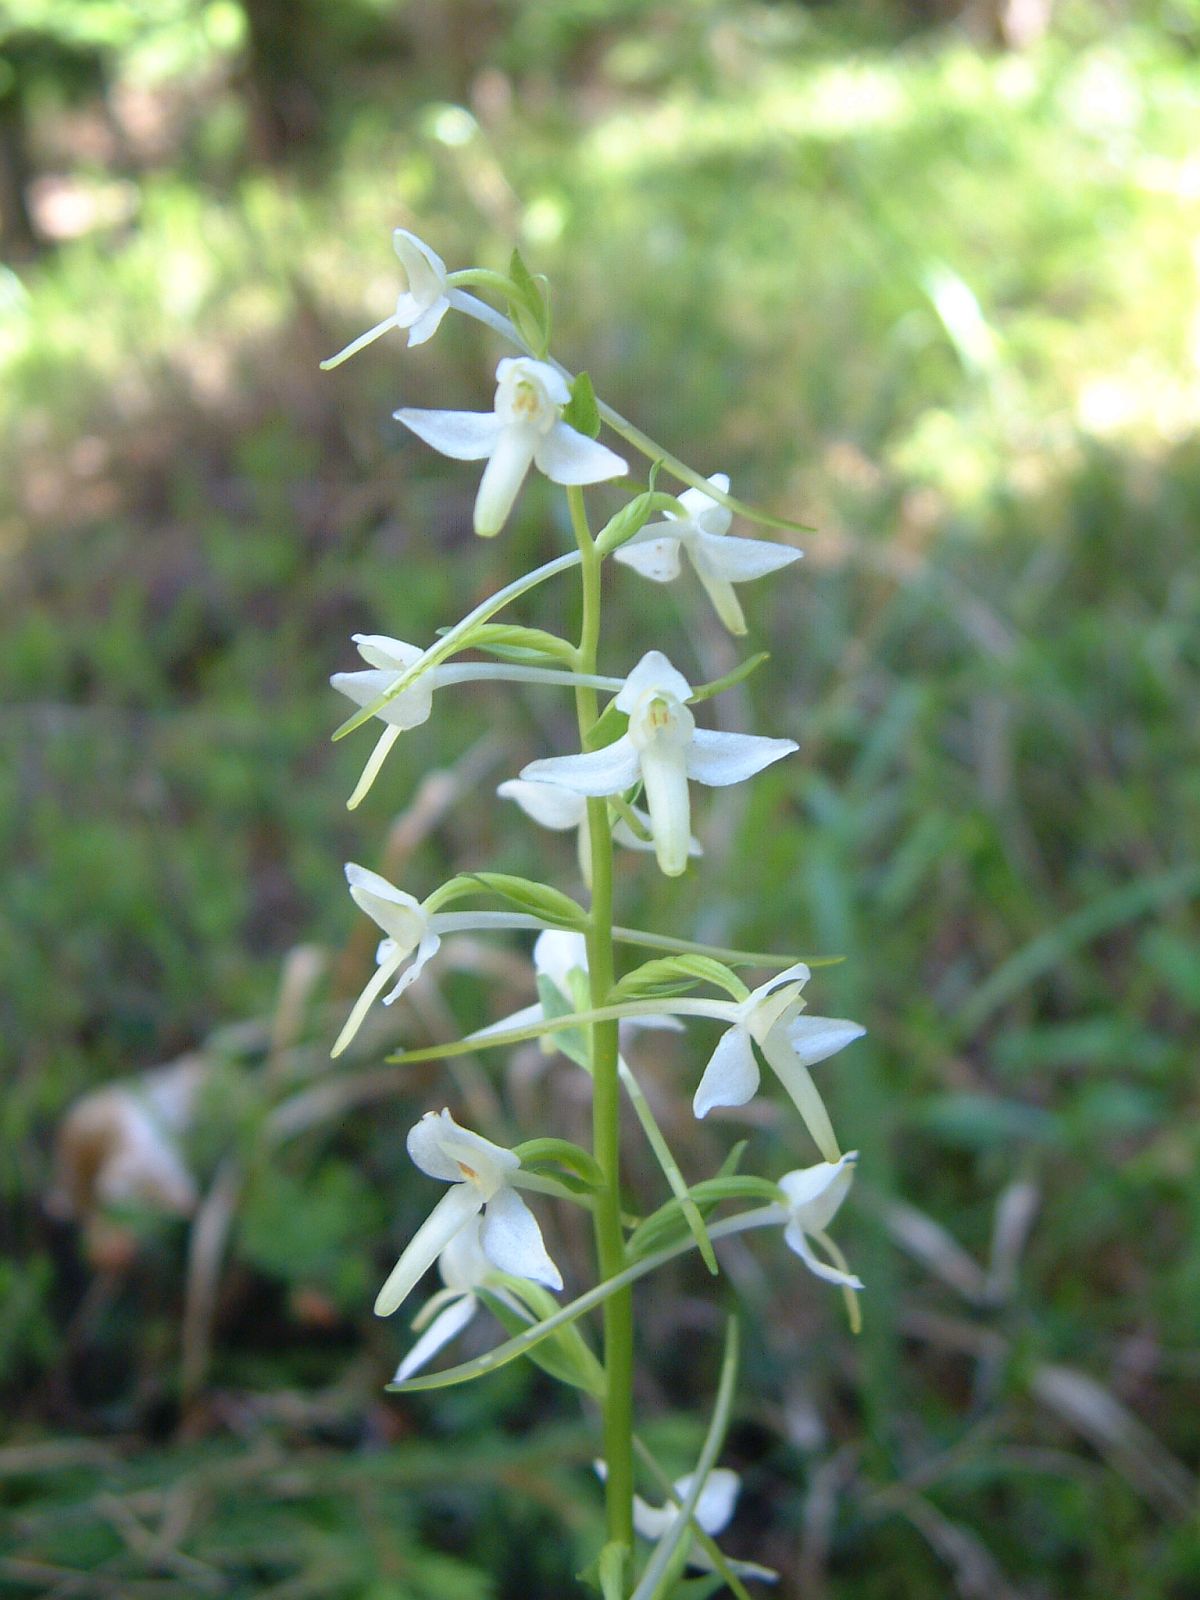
x: 934, y: 297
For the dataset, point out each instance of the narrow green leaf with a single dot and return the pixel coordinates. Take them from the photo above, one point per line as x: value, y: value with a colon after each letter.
x: 633, y: 517
x: 565, y: 1355
x: 528, y: 646
x: 538, y: 899
x: 674, y: 975
x: 541, y: 1152
x: 731, y: 679
x: 657, y: 1230
x: 581, y: 411
x: 611, y: 1569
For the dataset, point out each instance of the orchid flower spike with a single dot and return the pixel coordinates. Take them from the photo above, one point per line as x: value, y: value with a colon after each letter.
x: 525, y: 428
x: 813, y: 1196
x: 464, y: 1268
x: 410, y: 930
x: 663, y: 748
x: 714, y: 1510
x: 703, y: 535
x: 419, y: 308
x: 480, y: 1177
x: 772, y: 1018
x: 561, y: 809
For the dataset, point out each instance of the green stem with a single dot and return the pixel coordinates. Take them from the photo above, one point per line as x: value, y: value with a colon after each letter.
x: 610, y: 1238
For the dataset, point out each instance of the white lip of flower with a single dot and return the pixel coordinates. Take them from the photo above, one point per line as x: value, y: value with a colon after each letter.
x: 813, y: 1197
x: 713, y: 1511
x: 419, y: 308
x: 525, y: 428
x: 561, y: 809
x: 561, y: 956
x: 480, y: 1177
x: 464, y: 1268
x: 664, y: 748
x: 410, y: 931
x: 719, y: 560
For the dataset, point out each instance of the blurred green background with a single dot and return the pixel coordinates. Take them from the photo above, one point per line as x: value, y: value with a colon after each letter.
x: 925, y: 277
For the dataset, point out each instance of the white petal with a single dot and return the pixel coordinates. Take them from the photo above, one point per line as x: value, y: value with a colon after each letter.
x: 546, y: 803
x: 512, y: 1240
x: 652, y: 1521
x: 429, y: 946
x: 517, y: 1019
x: 441, y: 1330
x: 453, y: 1211
x: 806, y: 1097
x: 566, y: 456
x: 697, y: 504
x: 367, y: 998
x: 380, y: 650
x: 739, y: 560
x: 502, y: 479
x: 462, y: 1263
x: 408, y: 709
x: 624, y: 834
x: 443, y: 1149
x: 796, y: 1239
x: 717, y: 1499
x: 664, y: 772
x: 814, y: 1194
x: 593, y: 772
x: 653, y: 674
x: 657, y: 559
x: 428, y: 323
x: 722, y: 758
x: 814, y: 1039
x: 512, y: 370
x: 557, y: 954
x: 725, y: 602
x: 423, y: 267
x: 464, y: 435
x: 731, y: 1076
x: 397, y: 913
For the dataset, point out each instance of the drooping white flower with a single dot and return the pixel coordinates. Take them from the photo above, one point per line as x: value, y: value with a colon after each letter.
x: 480, y: 1177
x: 772, y: 1017
x: 664, y: 749
x: 719, y: 560
x: 525, y: 428
x: 814, y: 1196
x: 464, y: 1268
x: 419, y: 308
x: 561, y: 809
x: 713, y: 1512
x: 410, y: 930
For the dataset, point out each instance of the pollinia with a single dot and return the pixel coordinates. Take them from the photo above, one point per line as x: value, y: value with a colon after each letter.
x: 642, y: 745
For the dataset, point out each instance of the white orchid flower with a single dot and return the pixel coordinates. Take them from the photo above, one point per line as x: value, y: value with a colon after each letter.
x: 561, y: 809
x: 419, y: 308
x: 410, y: 930
x: 464, y: 1269
x: 814, y: 1196
x: 480, y: 1177
x: 388, y: 660
x: 663, y: 748
x: 525, y: 428
x: 772, y: 1017
x: 703, y: 535
x: 713, y: 1513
